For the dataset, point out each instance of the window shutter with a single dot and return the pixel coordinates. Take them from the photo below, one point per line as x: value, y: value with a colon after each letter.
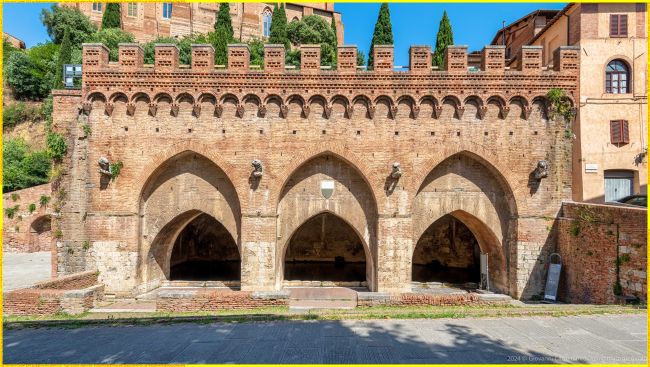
x: 613, y: 25
x: 619, y: 132
x: 622, y: 25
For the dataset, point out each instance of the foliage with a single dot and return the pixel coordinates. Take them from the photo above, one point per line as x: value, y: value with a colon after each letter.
x: 618, y: 289
x: 256, y: 47
x: 575, y: 229
x: 293, y: 58
x: 111, y: 38
x: 224, y: 21
x: 65, y: 56
x: 58, y: 234
x: 47, y: 107
x: 279, y: 27
x: 444, y: 38
x: 116, y: 168
x: 184, y: 47
x: 10, y: 212
x: 20, y: 112
x: 312, y: 29
x: 7, y: 50
x: 30, y: 74
x: 87, y: 130
x: 383, y: 34
x: 32, y: 208
x: 361, y: 58
x: 59, y: 18
x: 112, y: 17
x: 334, y: 41
x: 44, y: 200
x: 222, y: 35
x: 86, y: 245
x: 23, y: 168
x: 56, y: 145
x: 15, y: 197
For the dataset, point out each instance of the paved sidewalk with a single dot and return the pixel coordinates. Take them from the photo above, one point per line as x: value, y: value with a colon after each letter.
x: 576, y: 339
x: 20, y: 270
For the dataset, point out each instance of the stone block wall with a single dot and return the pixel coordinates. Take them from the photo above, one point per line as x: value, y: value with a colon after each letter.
x: 599, y: 245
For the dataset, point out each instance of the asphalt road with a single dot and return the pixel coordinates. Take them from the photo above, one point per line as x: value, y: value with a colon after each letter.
x: 577, y: 339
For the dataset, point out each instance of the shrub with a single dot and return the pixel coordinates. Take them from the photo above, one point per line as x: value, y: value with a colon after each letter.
x: 115, y: 169
x: 32, y: 208
x: 59, y: 18
x: 23, y: 168
x: 56, y: 145
x: 87, y: 130
x: 44, y: 200
x: 111, y: 37
x: 20, y: 112
x: 10, y: 212
x: 312, y: 29
x: 15, y: 197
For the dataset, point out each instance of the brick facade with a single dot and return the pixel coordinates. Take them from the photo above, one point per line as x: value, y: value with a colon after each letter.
x: 29, y: 230
x: 467, y: 144
x: 593, y: 241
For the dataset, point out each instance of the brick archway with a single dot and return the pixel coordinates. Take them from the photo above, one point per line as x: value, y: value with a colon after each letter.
x: 352, y: 200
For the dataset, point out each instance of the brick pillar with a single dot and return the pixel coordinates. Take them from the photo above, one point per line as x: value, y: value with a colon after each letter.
x: 346, y: 59
x: 274, y: 56
x: 566, y: 58
x: 394, y: 254
x: 456, y: 59
x: 258, y: 261
x: 420, y: 59
x: 530, y: 59
x: 95, y: 56
x: 239, y: 57
x: 493, y: 58
x: 382, y: 58
x: 165, y: 57
x: 131, y: 56
x: 202, y: 57
x: 310, y: 58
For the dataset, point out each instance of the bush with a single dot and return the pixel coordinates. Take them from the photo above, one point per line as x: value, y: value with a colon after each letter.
x: 44, y: 200
x: 23, y: 168
x: 56, y: 145
x: 32, y: 208
x: 312, y: 29
x: 111, y: 37
x: 184, y: 47
x: 20, y: 112
x: 22, y: 77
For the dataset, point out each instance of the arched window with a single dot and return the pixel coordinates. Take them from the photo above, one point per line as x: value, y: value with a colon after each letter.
x: 617, y: 77
x: 266, y: 17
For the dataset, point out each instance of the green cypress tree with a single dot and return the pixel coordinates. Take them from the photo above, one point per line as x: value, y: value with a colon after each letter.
x: 334, y: 41
x: 223, y: 34
x: 278, y: 33
x: 65, y: 55
x: 112, y: 17
x: 383, y: 34
x: 444, y: 38
x: 224, y: 20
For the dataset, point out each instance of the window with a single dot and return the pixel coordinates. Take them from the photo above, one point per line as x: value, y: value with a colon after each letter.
x: 97, y: 7
x: 618, y: 25
x: 132, y: 10
x: 619, y: 132
x: 617, y: 77
x: 167, y: 10
x: 266, y: 17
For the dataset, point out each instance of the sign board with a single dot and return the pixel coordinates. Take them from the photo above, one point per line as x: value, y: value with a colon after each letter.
x: 484, y: 272
x: 552, y: 282
x: 591, y: 167
x: 327, y: 188
x: 70, y: 73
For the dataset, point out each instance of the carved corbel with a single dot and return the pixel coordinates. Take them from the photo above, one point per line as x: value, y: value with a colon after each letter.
x: 328, y: 110
x: 105, y: 166
x: 153, y: 109
x: 504, y: 111
x: 371, y: 111
x: 415, y: 111
x: 306, y: 110
x: 482, y: 110
x: 527, y: 110
x: 130, y: 109
x: 196, y: 109
x: 392, y: 111
x: 349, y: 110
x: 262, y: 110
x: 396, y: 173
x: 437, y: 111
x: 218, y: 110
x: 108, y: 108
x: 284, y: 110
x: 460, y: 110
x: 258, y: 170
x: 541, y: 171
x: 240, y: 110
x: 174, y: 110
x: 86, y: 107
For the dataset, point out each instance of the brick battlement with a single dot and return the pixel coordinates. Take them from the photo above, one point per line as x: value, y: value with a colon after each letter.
x: 131, y: 81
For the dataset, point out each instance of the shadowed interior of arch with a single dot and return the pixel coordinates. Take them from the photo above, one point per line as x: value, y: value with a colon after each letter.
x: 447, y: 252
x: 325, y: 248
x: 205, y: 250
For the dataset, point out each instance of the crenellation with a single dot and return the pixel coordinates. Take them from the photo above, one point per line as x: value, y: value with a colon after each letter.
x: 346, y: 59
x: 531, y: 59
x: 274, y: 58
x: 131, y: 56
x: 493, y: 59
x: 239, y: 56
x: 310, y: 58
x: 202, y: 57
x: 456, y: 59
x: 165, y: 57
x: 383, y: 58
x: 420, y: 59
x: 566, y: 58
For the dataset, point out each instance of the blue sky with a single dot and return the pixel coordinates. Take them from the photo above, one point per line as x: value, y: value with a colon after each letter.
x: 474, y: 24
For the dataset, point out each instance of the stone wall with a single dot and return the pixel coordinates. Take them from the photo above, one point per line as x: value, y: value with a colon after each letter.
x: 594, y: 240
x: 187, y: 136
x: 29, y: 229
x: 212, y: 300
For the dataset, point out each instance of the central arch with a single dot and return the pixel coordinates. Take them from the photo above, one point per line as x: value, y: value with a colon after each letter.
x: 327, y: 185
